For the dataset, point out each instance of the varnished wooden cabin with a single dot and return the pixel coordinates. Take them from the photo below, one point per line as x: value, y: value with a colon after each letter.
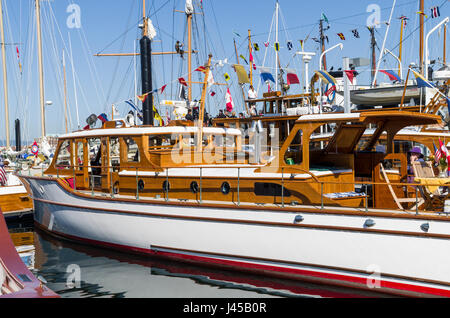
x: 167, y: 163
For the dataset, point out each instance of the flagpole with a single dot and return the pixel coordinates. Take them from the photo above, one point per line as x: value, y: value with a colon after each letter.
x: 421, y: 68
x: 384, y: 43
x: 400, y: 50
x: 5, y: 84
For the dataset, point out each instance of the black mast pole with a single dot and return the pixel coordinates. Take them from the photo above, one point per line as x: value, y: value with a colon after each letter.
x: 146, y: 74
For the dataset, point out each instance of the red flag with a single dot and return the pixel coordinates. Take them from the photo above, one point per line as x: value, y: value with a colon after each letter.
x: 350, y: 75
x: 182, y: 81
x: 213, y: 94
x: 292, y: 79
x: 201, y: 69
x: 161, y: 90
x: 17, y: 49
x: 229, y: 100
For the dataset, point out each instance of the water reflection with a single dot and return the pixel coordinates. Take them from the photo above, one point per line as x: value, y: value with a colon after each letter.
x: 78, y: 271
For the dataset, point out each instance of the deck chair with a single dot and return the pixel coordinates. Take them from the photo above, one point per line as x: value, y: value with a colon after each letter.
x: 398, y: 200
x: 434, y: 197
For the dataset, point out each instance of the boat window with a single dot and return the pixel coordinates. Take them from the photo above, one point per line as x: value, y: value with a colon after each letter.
x: 133, y: 154
x: 95, y: 155
x: 80, y: 155
x: 162, y: 142
x: 294, y: 153
x: 63, y: 160
x: 114, y: 152
x: 271, y: 189
x: 320, y: 137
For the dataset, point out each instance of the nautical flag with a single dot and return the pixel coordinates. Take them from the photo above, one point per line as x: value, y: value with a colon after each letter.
x: 316, y: 40
x: 241, y: 73
x: 435, y: 12
x: 182, y: 81
x: 392, y: 75
x: 138, y: 111
x: 421, y: 81
x: 252, y: 61
x: 422, y: 13
x: 350, y: 75
x: 229, y: 101
x: 201, y: 69
x: 444, y: 150
x: 266, y: 75
x: 324, y: 17
x: 266, y: 44
x: 161, y: 90
x: 213, y: 94
x: 268, y: 87
x: 326, y: 77
x: 437, y: 153
x: 183, y: 93
x: 103, y: 117
x: 243, y: 57
x: 143, y: 97
x: 341, y: 36
x: 292, y: 78
x: 256, y: 46
x: 404, y: 19
x: 356, y: 33
x: 236, y: 33
x: 3, y: 178
x: 301, y: 44
x: 289, y: 45
x: 277, y: 46
x: 227, y: 77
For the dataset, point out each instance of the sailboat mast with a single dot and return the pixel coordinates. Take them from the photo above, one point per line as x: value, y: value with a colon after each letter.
x: 445, y: 45
x: 400, y: 50
x: 146, y: 72
x: 276, y: 41
x: 250, y: 54
x: 322, y: 42
x: 373, y: 45
x: 41, y: 69
x: 422, y: 13
x: 189, y: 23
x: 65, y: 91
x: 5, y: 83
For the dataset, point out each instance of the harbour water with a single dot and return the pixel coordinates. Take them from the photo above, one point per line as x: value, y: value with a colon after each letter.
x: 75, y: 270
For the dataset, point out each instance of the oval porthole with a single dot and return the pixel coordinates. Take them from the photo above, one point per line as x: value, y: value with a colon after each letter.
x: 141, y: 185
x: 166, y: 186
x: 194, y: 187
x: 225, y: 188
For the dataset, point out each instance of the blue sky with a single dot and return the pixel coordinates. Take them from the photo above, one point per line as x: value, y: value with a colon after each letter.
x: 112, y: 27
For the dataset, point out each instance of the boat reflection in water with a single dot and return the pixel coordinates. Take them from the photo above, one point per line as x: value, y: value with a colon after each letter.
x: 78, y: 271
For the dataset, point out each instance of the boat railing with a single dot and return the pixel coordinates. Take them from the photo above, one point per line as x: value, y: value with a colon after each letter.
x: 418, y: 199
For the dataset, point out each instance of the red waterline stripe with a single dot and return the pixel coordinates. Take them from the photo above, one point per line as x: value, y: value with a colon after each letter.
x: 237, y: 264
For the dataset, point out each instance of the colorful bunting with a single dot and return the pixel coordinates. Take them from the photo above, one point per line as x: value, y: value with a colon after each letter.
x: 437, y: 153
x: 182, y: 81
x: 301, y: 44
x: 292, y: 78
x: 289, y: 45
x: 143, y: 97
x: 266, y: 44
x: 350, y: 75
x: 266, y: 75
x: 324, y: 17
x: 229, y: 101
x: 227, y: 77
x: 421, y: 81
x: 422, y: 13
x: 161, y: 90
x: 243, y: 57
x: 392, y: 75
x: 355, y: 33
x: 255, y: 45
x: 277, y: 46
x: 404, y: 19
x: 435, y: 12
x: 241, y: 73
x: 341, y: 36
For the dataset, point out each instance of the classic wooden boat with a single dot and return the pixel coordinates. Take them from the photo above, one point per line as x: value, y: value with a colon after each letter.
x: 295, y: 212
x: 14, y: 199
x: 16, y: 280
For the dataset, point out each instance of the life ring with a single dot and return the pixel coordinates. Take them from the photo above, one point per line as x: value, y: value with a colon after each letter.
x: 333, y: 93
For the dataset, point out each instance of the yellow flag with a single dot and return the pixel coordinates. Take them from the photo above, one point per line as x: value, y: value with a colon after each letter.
x: 241, y: 73
x: 227, y: 77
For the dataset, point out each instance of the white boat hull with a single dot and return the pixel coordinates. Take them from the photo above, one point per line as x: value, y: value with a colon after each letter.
x: 394, y: 256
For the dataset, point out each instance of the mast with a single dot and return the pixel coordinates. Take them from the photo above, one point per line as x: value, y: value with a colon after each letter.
x: 373, y: 45
x: 189, y: 23
x: 322, y: 42
x: 445, y: 45
x: 5, y: 83
x: 202, y: 105
x: 276, y: 41
x: 400, y: 49
x: 65, y: 91
x: 250, y: 53
x: 146, y: 72
x: 41, y: 69
x: 242, y: 87
x: 421, y: 36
